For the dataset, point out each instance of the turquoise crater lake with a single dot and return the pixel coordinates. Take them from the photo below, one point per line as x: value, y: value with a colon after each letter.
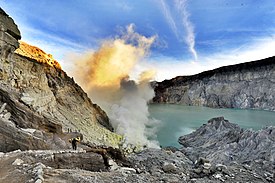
x: 178, y: 120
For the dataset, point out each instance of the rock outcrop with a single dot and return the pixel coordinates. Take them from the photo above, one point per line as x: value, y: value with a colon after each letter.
x: 13, y: 138
x: 43, y: 100
x: 9, y: 34
x: 40, y: 166
x: 222, y: 143
x: 246, y: 85
x: 37, y: 54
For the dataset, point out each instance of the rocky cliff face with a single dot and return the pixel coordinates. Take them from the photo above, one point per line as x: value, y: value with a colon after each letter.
x: 246, y: 85
x: 39, y: 98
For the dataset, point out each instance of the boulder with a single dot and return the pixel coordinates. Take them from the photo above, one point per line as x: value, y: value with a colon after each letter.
x: 86, y: 161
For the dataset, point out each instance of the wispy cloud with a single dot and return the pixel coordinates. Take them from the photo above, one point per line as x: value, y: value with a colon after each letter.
x: 188, y: 26
x: 189, y: 36
x: 169, y: 18
x: 124, y: 6
x: 168, y: 67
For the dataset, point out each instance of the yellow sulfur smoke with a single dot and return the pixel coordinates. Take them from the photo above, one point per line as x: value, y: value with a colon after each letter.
x: 101, y: 72
x: 146, y: 76
x: 106, y: 76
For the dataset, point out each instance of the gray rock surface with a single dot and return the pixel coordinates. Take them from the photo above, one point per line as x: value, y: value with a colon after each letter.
x: 247, y: 85
x: 151, y: 165
x: 9, y: 25
x: 224, y: 143
x: 34, y: 165
x: 9, y: 35
x: 13, y: 138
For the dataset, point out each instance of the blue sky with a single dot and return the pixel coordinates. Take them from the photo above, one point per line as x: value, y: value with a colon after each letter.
x: 192, y: 35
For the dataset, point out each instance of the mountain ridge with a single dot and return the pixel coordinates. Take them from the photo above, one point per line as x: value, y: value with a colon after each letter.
x: 244, y: 84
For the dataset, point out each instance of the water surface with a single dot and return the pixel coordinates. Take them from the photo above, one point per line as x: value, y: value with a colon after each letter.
x: 178, y: 120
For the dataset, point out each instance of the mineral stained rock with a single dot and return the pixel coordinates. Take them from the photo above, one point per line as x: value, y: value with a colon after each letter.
x: 247, y: 85
x: 37, y: 54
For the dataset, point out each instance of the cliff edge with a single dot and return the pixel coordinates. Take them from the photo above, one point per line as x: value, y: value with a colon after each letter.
x: 247, y: 85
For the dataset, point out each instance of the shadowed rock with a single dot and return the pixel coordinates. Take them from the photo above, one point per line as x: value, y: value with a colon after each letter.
x: 9, y: 35
x: 8, y: 25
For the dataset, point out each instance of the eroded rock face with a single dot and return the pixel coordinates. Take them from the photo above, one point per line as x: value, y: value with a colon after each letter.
x: 222, y: 142
x: 247, y: 85
x: 40, y: 96
x: 38, y: 133
x: 11, y: 27
x: 9, y: 35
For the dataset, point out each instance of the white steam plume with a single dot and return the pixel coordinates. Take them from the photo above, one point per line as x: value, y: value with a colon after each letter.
x: 106, y: 75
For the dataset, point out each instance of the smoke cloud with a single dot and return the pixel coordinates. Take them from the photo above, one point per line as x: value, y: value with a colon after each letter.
x: 106, y: 74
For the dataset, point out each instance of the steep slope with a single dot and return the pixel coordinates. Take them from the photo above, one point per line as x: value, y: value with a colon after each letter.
x: 40, y: 97
x: 246, y: 85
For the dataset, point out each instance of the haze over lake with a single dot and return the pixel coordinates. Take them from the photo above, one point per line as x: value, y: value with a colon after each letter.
x: 178, y: 120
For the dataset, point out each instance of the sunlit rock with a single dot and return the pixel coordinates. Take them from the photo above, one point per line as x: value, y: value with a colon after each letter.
x: 37, y: 54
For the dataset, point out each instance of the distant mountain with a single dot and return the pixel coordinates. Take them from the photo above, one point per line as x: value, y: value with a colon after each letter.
x: 247, y: 85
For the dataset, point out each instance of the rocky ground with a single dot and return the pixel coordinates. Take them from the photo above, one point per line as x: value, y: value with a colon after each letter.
x: 231, y: 154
